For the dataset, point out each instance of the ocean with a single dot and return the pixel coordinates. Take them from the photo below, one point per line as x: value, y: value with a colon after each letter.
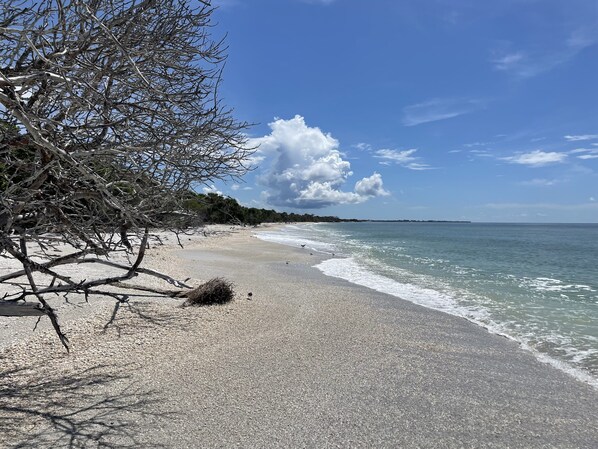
x: 534, y: 283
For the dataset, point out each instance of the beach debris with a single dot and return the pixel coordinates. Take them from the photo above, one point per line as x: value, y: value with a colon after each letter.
x: 303, y: 245
x: 249, y: 296
x: 287, y: 262
x: 215, y: 291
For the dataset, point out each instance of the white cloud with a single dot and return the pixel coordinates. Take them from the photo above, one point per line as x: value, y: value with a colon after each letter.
x: 581, y: 137
x: 546, y: 206
x: 371, y: 187
x: 481, y: 153
x: 540, y: 182
x: 306, y: 168
x: 536, y: 158
x: 438, y: 109
x: 319, y: 2
x: 586, y: 153
x: 508, y: 61
x: 211, y: 189
x: 404, y: 158
x: 527, y: 64
x: 235, y: 187
x: 417, y: 166
x: 584, y: 150
x: 477, y: 144
x: 363, y: 146
x: 225, y: 3
x: 400, y: 157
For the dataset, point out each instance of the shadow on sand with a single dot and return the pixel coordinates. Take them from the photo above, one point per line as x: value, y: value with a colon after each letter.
x: 91, y: 408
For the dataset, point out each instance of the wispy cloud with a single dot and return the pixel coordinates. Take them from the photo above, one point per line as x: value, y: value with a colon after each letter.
x: 585, y: 153
x: 403, y: 158
x: 236, y: 187
x: 439, y: 109
x: 319, y: 2
x: 509, y: 61
x: 224, y: 4
x: 532, y: 62
x: 363, y: 146
x: 536, y: 158
x: 581, y: 137
x: 546, y: 206
x: 477, y: 144
x: 538, y: 182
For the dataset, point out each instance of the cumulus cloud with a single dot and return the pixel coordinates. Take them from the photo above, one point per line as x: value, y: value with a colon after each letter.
x: 307, y: 169
x: 536, y: 158
x: 211, y: 189
x: 371, y: 187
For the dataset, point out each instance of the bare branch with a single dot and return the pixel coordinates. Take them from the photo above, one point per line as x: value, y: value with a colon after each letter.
x: 110, y: 116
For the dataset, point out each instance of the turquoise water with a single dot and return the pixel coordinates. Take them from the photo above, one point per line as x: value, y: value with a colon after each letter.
x: 535, y: 283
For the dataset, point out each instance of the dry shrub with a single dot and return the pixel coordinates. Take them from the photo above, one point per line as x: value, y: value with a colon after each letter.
x: 215, y: 291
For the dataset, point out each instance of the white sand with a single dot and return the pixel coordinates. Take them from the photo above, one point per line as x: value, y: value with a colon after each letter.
x: 310, y: 361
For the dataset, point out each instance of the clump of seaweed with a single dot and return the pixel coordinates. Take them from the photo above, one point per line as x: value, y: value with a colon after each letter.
x: 215, y: 291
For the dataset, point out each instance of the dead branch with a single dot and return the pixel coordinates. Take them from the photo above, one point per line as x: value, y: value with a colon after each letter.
x: 109, y: 117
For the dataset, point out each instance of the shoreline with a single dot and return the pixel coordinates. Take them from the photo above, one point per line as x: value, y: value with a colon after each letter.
x: 340, y: 267
x: 576, y: 373
x: 311, y: 360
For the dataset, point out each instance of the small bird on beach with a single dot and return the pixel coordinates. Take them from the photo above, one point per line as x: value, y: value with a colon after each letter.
x: 303, y: 245
x: 249, y: 295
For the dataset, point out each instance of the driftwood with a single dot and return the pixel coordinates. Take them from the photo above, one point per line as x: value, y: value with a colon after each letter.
x: 10, y: 304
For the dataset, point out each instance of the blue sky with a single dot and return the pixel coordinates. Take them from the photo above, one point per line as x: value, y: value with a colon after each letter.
x: 420, y: 109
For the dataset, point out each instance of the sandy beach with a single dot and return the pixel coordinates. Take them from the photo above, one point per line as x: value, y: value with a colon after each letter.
x: 308, y: 361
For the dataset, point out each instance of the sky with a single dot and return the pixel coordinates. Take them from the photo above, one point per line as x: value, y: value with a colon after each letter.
x: 416, y: 109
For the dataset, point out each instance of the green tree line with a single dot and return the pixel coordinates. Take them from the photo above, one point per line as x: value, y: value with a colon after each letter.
x: 214, y: 208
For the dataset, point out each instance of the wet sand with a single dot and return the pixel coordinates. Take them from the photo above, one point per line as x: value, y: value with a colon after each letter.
x: 309, y: 361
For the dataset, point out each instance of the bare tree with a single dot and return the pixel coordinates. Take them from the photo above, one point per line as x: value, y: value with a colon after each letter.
x: 109, y: 117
